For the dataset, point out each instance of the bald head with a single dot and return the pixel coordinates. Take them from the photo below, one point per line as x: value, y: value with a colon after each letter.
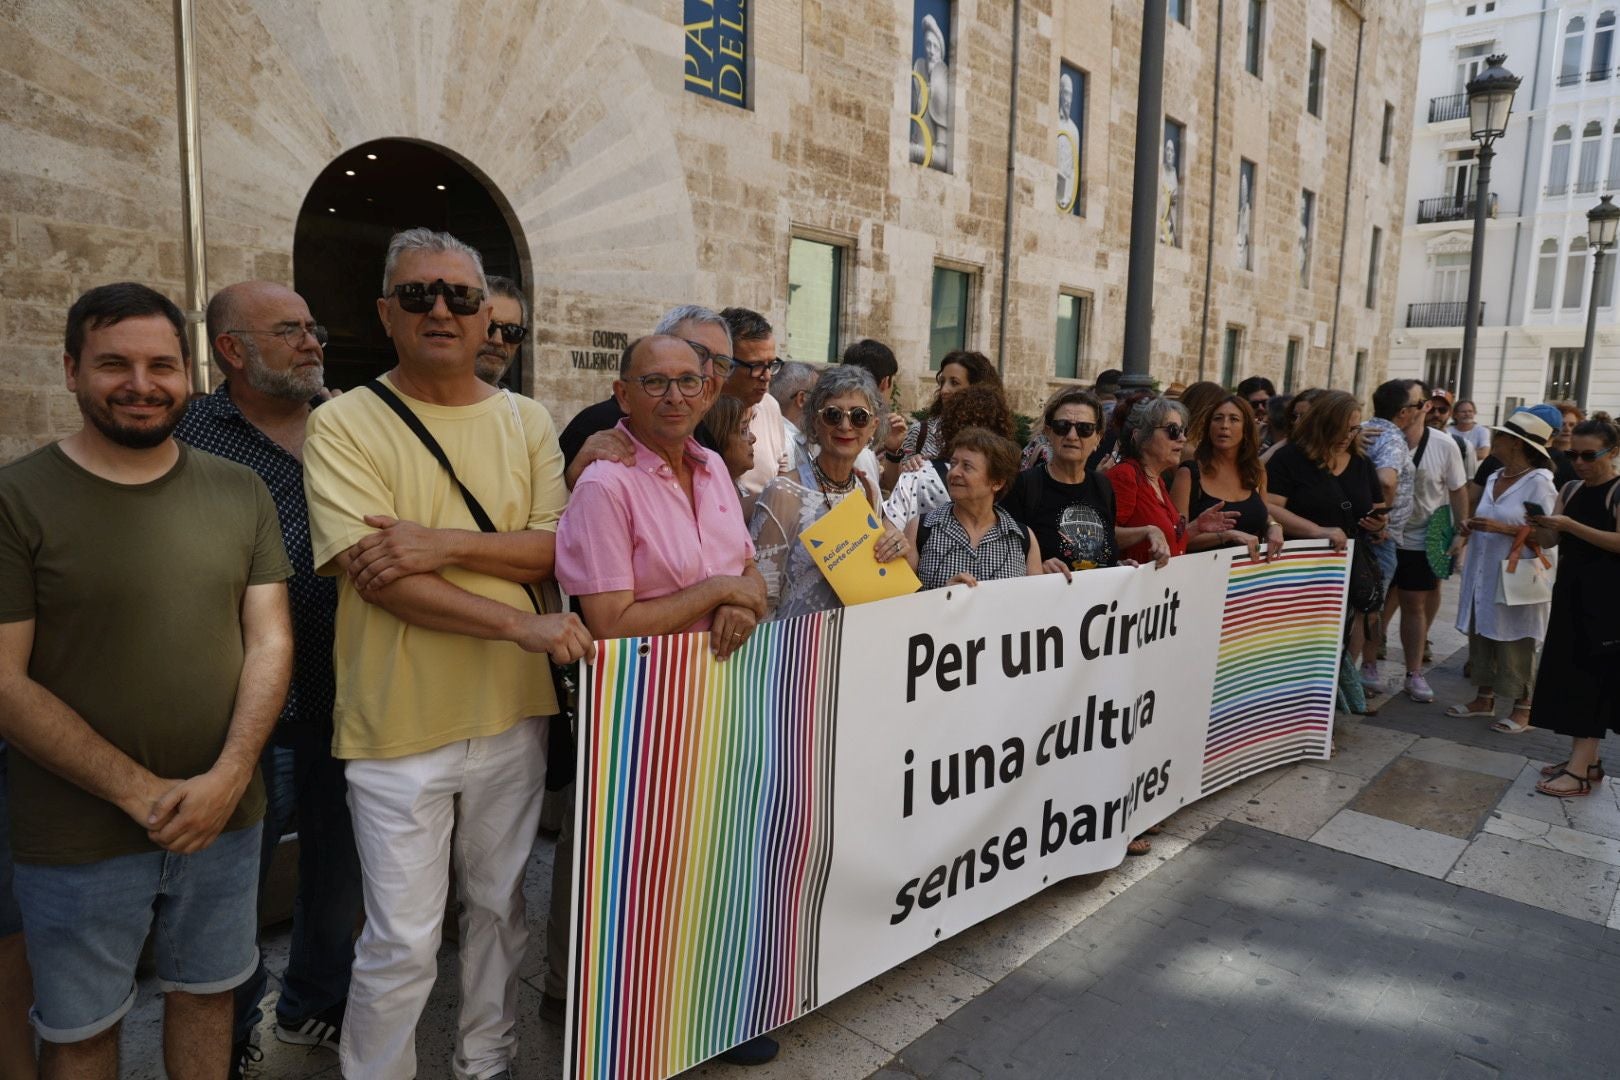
x: 262, y: 333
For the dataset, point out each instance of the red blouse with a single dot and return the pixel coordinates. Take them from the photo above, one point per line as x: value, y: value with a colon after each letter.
x: 1135, y: 506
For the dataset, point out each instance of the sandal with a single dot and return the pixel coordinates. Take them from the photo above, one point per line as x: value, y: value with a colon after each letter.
x: 1512, y: 725
x: 1584, y: 786
x: 1594, y: 772
x: 1140, y: 846
x: 1463, y: 712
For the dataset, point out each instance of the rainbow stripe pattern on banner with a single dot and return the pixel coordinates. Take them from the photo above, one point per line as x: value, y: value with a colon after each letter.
x: 1281, y: 633
x: 704, y: 837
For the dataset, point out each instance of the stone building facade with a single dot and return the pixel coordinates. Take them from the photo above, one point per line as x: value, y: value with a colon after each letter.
x: 625, y: 193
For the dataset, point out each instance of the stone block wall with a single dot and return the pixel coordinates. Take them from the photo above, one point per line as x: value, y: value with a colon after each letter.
x: 630, y: 195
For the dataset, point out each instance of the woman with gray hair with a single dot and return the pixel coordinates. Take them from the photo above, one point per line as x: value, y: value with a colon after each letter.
x: 840, y: 416
x: 1149, y: 526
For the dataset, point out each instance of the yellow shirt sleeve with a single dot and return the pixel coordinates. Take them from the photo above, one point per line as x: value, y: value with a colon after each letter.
x: 550, y: 491
x: 342, y: 485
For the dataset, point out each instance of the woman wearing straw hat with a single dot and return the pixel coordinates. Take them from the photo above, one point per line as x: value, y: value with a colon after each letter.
x: 1502, y: 638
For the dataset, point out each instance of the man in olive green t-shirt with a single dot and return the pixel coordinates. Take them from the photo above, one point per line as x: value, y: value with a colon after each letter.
x: 145, y: 648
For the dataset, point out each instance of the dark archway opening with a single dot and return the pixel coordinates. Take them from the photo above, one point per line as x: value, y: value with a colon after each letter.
x: 357, y: 203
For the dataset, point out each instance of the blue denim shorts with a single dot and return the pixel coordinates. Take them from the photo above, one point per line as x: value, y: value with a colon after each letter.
x: 1385, y: 553
x: 84, y: 926
x: 10, y: 913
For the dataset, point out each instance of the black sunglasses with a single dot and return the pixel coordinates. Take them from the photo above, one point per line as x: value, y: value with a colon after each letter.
x: 417, y: 297
x: 1175, y: 432
x: 833, y: 416
x: 1588, y: 456
x: 511, y: 332
x: 1083, y: 428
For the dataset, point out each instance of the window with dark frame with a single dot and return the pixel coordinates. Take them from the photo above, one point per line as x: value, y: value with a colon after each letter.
x: 1291, y: 364
x: 1178, y: 10
x: 815, y: 300
x: 1073, y: 335
x: 949, y: 313
x: 1387, y: 139
x: 1254, y: 43
x: 1562, y: 365
x: 1232, y: 356
x: 1374, y: 256
x: 1313, y: 82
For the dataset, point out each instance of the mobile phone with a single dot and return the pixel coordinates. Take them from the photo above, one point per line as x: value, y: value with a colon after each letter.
x: 1534, y: 510
x: 1378, y: 511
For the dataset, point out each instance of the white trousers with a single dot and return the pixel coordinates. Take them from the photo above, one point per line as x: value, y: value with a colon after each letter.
x: 486, y: 793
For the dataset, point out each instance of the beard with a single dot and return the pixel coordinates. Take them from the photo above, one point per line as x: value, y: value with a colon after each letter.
x: 294, y: 384
x: 141, y: 436
x: 491, y: 363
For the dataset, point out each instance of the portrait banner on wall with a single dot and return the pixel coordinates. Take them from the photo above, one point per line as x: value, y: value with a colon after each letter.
x: 1170, y: 184
x: 758, y: 836
x: 1069, y: 147
x: 716, y: 63
x: 1307, y: 223
x: 1243, y: 249
x: 931, y: 123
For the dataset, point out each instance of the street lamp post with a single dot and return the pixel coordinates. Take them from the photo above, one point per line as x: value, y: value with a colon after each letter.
x: 1490, y: 100
x: 1602, y: 224
x: 1145, y: 199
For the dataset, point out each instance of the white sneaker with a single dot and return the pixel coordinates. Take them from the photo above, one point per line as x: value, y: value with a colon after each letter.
x: 1418, y: 689
x: 1369, y: 678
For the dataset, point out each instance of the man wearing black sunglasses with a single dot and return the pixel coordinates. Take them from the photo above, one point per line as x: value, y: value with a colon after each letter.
x: 508, y: 328
x: 440, y: 702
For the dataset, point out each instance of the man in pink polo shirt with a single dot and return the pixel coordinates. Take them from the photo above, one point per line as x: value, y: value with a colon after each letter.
x: 661, y: 547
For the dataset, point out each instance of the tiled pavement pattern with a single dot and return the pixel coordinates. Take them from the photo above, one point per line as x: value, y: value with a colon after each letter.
x: 1434, y: 822
x: 1256, y: 955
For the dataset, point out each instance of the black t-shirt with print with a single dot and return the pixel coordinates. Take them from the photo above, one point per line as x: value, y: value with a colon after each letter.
x: 1072, y: 522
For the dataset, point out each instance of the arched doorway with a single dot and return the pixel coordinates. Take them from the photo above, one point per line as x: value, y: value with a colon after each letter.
x: 357, y: 203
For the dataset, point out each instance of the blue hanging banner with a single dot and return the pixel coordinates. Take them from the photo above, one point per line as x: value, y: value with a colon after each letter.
x: 717, y: 50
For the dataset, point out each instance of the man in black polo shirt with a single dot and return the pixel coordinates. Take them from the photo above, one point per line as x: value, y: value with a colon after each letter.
x: 269, y: 347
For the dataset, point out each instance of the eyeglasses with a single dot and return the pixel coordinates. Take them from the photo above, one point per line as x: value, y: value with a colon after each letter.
x: 718, y: 359
x: 511, y: 332
x: 756, y: 368
x: 1083, y: 428
x: 833, y: 416
x: 292, y: 333
x: 1258, y: 403
x: 417, y: 297
x: 1588, y: 456
x: 690, y: 385
x: 1174, y: 432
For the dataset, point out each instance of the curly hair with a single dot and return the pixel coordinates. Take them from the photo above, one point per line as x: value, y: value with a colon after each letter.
x: 1249, y: 469
x: 976, y: 406
x: 979, y: 370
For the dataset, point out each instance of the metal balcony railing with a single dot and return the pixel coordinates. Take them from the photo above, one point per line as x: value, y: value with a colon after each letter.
x: 1449, y: 107
x: 1586, y: 187
x: 1598, y: 74
x: 1452, y: 208
x: 1570, y: 78
x: 1445, y: 313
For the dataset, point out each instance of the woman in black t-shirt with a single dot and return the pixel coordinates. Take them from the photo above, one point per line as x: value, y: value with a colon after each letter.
x: 1069, y: 507
x: 1225, y: 471
x: 1320, y: 487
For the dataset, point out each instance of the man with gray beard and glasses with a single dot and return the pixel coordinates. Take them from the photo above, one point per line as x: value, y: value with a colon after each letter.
x: 269, y: 348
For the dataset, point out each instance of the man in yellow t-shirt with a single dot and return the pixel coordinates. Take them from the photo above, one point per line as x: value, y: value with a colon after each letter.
x: 441, y: 700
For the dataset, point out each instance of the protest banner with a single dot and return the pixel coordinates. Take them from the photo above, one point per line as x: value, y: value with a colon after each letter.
x: 758, y: 836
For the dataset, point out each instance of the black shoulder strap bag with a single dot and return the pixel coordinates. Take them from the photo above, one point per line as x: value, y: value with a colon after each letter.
x: 419, y: 429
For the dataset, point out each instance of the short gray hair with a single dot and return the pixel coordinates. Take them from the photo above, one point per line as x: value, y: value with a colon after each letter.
x: 836, y: 381
x: 692, y: 313
x: 505, y: 286
x: 428, y: 240
x: 1144, y: 419
x: 795, y: 375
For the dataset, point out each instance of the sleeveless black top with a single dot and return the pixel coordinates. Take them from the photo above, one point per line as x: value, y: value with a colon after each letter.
x: 1253, y: 514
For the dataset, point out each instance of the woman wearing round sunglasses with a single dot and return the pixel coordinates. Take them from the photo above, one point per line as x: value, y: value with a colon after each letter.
x: 840, y: 417
x: 1063, y: 500
x: 1151, y: 526
x: 1577, y: 690
x: 1225, y: 470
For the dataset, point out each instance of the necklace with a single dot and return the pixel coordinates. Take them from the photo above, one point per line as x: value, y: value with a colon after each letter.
x: 830, y: 487
x: 1513, y: 475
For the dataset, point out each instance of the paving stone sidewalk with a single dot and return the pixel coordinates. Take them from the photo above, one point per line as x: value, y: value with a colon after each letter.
x: 1253, y: 954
